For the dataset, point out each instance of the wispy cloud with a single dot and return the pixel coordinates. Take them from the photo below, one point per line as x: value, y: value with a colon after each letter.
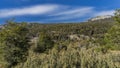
x: 107, y: 12
x: 33, y: 10
x: 72, y: 13
x: 80, y: 11
x: 55, y: 12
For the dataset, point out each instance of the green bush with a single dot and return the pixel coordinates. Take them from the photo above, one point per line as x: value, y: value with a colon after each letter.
x: 44, y: 43
x: 112, y: 38
x: 14, y: 41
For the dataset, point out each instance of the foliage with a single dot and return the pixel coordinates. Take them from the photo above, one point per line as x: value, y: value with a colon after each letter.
x: 14, y: 42
x: 60, y: 32
x: 72, y: 58
x: 68, y: 45
x: 44, y: 43
x: 112, y: 38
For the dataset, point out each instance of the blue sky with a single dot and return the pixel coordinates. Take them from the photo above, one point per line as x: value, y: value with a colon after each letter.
x: 55, y: 11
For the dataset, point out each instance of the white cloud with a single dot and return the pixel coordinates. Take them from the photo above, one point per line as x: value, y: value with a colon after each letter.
x: 55, y: 12
x: 107, y: 12
x: 33, y: 10
x: 80, y: 11
x: 73, y: 13
x: 49, y: 10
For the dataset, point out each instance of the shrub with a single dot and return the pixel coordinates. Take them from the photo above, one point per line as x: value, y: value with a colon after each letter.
x: 14, y: 41
x: 44, y: 43
x: 72, y: 58
x: 112, y: 38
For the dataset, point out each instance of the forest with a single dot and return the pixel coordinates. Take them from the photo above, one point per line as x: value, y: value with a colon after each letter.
x: 90, y: 44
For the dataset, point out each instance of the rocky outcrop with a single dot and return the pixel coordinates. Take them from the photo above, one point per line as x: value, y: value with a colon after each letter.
x: 100, y: 18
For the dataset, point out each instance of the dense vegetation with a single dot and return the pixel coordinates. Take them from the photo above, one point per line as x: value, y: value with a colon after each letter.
x: 14, y: 43
x: 92, y: 44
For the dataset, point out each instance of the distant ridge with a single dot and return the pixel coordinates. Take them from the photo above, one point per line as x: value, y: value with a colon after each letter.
x: 100, y: 17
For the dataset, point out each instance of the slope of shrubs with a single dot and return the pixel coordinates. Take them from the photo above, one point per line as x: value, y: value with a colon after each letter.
x: 78, y: 45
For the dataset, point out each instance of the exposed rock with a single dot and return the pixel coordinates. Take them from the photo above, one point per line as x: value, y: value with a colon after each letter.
x: 100, y: 17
